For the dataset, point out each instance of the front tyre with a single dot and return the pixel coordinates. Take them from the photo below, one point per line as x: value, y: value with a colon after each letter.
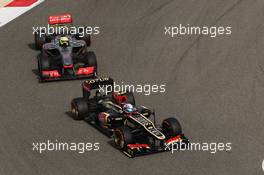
x: 171, y: 127
x: 79, y: 108
x: 123, y: 137
x: 91, y: 60
x: 43, y: 64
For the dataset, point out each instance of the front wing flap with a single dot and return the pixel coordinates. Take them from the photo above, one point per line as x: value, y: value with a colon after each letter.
x: 135, y: 150
x: 66, y: 77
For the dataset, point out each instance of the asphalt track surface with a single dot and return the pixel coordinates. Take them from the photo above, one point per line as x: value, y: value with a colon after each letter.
x: 214, y: 86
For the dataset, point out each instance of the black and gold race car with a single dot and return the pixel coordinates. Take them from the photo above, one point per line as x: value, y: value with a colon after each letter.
x: 117, y: 115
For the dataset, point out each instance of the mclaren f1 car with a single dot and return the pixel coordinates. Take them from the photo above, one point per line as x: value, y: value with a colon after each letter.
x: 64, y: 56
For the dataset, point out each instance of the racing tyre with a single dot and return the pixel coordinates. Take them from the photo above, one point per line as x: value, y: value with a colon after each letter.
x: 123, y: 137
x: 171, y: 127
x: 86, y: 37
x: 130, y: 98
x: 91, y: 60
x: 79, y: 108
x: 40, y: 40
x: 44, y: 64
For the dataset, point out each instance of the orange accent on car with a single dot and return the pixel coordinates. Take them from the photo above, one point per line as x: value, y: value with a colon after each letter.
x: 136, y: 146
x: 173, y: 139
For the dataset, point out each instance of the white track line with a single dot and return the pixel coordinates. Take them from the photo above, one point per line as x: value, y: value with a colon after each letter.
x: 7, y: 14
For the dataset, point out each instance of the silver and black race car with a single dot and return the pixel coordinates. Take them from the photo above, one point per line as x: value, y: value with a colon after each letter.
x: 64, y: 56
x: 131, y: 129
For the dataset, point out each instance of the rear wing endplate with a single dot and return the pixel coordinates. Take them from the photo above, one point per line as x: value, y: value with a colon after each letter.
x: 97, y: 83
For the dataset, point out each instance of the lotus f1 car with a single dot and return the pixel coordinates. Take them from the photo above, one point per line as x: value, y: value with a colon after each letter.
x: 64, y: 56
x: 132, y: 131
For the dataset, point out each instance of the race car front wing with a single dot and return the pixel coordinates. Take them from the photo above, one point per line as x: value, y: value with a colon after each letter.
x: 55, y: 75
x: 139, y: 149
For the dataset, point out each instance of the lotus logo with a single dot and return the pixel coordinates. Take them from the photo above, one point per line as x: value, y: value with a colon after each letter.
x: 98, y: 80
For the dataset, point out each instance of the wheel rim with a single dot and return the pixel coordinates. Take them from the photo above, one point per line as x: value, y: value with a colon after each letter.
x: 118, y: 138
x: 74, y: 111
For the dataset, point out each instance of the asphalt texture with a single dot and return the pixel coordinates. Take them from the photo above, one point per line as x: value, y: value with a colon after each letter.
x: 214, y: 86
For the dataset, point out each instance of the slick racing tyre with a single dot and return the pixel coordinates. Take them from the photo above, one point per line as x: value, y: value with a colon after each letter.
x: 79, y: 108
x: 123, y: 137
x: 171, y: 127
x: 40, y: 40
x: 44, y: 64
x: 91, y: 60
x: 85, y: 37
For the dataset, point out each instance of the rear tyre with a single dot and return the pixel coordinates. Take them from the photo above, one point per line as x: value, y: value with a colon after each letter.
x: 86, y: 37
x: 171, y: 127
x: 123, y: 137
x: 40, y: 40
x: 79, y: 108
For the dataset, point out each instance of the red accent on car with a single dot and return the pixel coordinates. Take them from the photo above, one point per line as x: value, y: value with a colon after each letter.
x: 85, y: 70
x: 173, y: 139
x: 21, y: 3
x: 60, y: 19
x: 86, y: 86
x: 138, y: 146
x: 51, y: 73
x: 119, y: 98
x: 69, y: 66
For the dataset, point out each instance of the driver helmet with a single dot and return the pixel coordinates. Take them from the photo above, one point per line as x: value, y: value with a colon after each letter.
x: 64, y: 41
x: 128, y: 108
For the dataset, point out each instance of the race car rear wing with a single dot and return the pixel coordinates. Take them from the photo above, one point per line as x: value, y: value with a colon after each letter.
x: 60, y: 19
x: 97, y: 83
